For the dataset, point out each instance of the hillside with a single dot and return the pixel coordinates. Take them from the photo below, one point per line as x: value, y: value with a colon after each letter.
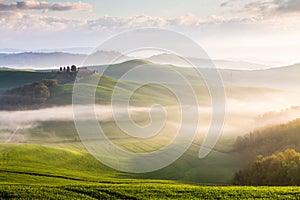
x: 271, y: 156
x: 59, y: 132
x: 276, y: 78
x: 281, y: 168
x: 54, y: 165
x: 284, y: 78
x: 268, y: 140
x: 15, y: 78
x: 37, y: 172
x: 61, y: 94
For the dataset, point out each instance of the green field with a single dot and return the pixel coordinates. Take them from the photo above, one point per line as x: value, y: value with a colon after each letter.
x: 46, y: 159
x: 145, y: 190
x: 38, y: 172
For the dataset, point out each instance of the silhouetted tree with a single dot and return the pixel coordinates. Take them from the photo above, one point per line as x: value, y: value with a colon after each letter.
x: 64, y: 69
x: 73, y: 68
x: 60, y: 69
x: 68, y: 69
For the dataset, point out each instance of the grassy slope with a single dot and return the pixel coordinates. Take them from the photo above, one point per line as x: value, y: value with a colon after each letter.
x: 62, y: 94
x: 27, y: 159
x: 16, y: 78
x: 217, y: 168
x: 35, y: 172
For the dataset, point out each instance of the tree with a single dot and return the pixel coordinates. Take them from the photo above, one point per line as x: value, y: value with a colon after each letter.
x: 73, y: 68
x: 281, y: 168
x: 68, y: 69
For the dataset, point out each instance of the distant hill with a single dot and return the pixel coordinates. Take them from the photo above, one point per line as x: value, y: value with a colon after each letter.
x: 56, y: 59
x: 285, y: 78
x: 277, y: 78
x: 204, y: 63
x: 39, y: 60
x: 53, y: 58
x: 75, y: 50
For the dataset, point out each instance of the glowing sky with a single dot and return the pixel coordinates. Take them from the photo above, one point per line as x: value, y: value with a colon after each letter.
x: 259, y: 30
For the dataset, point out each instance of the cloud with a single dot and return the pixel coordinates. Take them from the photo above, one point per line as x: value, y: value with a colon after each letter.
x: 266, y: 7
x: 188, y: 21
x: 227, y: 2
x: 288, y: 5
x: 44, y: 6
x: 22, y: 21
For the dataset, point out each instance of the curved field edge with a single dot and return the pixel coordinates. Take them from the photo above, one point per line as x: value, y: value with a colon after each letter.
x: 146, y: 191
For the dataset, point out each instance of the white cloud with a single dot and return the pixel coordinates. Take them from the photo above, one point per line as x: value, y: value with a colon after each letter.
x: 44, y: 6
x: 187, y: 22
x: 18, y: 20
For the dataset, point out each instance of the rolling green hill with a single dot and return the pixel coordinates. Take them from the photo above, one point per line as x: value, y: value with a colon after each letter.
x: 284, y: 78
x: 217, y: 168
x: 28, y: 163
x: 38, y: 172
x: 61, y: 94
x: 16, y: 78
x: 49, y: 160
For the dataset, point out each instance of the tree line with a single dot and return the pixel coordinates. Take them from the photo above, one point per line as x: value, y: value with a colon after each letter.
x: 271, y: 154
x: 280, y: 168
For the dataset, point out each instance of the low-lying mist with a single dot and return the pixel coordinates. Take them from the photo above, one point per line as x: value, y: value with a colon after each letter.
x: 241, y: 117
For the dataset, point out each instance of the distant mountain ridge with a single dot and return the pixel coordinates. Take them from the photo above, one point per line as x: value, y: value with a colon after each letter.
x: 203, y: 63
x: 48, y: 59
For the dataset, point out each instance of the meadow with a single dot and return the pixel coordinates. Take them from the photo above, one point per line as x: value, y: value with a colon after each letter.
x: 42, y: 156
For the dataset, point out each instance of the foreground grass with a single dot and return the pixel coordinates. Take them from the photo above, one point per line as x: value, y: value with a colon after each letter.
x: 145, y: 191
x: 39, y: 172
x: 30, y: 171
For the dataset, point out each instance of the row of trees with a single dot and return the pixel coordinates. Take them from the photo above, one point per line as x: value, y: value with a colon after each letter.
x: 281, y: 168
x: 68, y: 69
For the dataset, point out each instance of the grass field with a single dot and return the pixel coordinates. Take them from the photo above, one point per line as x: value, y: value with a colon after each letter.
x: 217, y: 168
x: 46, y: 159
x: 145, y: 190
x: 38, y: 172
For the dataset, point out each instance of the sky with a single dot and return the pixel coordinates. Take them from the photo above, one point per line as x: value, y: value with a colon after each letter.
x: 262, y: 31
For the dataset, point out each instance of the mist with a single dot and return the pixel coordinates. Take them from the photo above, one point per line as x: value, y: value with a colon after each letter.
x: 241, y: 116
